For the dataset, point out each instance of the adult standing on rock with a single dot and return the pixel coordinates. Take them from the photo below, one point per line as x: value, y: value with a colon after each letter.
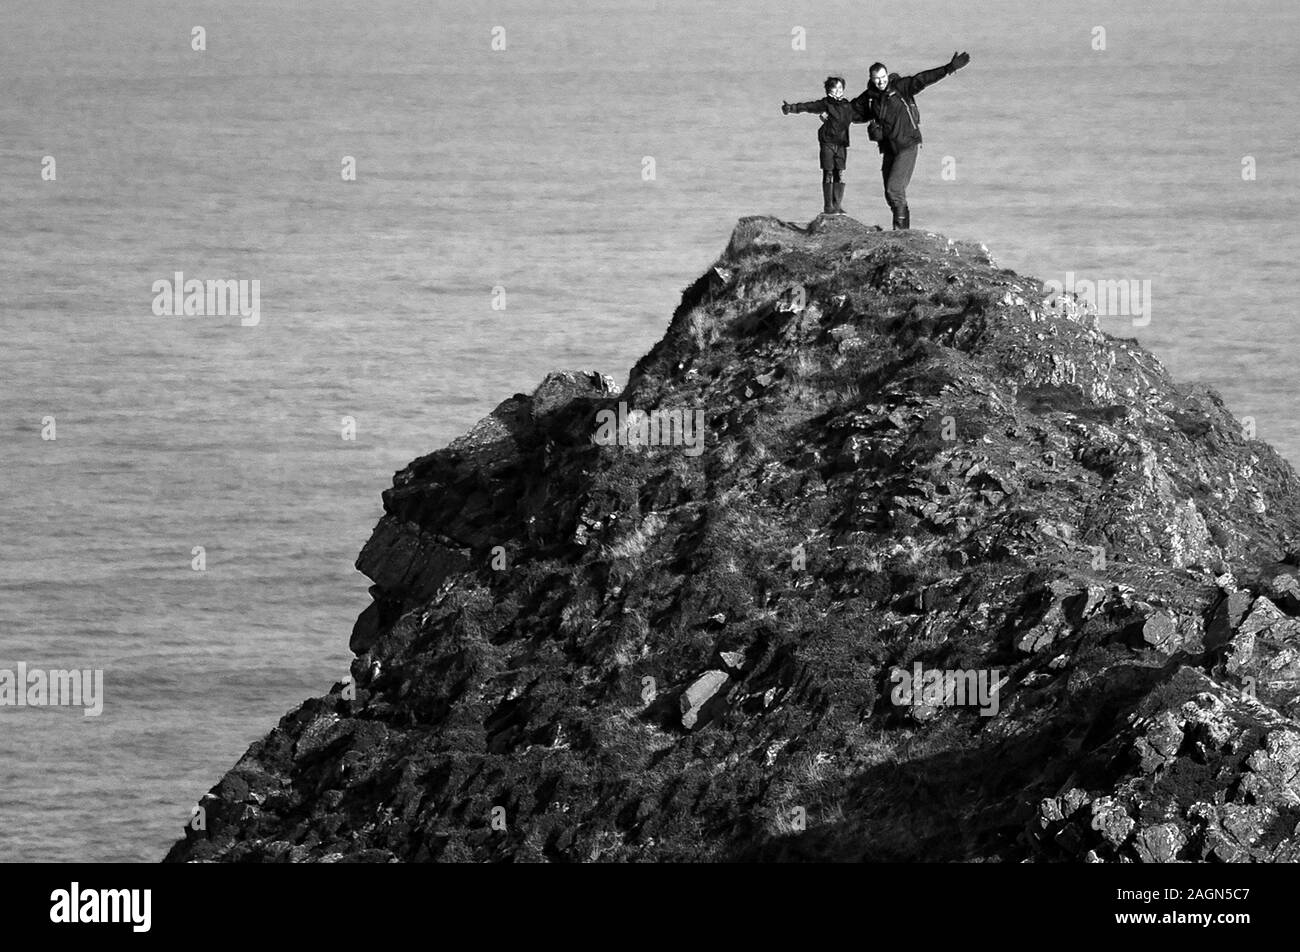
x: 889, y: 102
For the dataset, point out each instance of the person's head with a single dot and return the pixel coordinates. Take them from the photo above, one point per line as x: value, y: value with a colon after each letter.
x: 834, y: 87
x: 879, y: 76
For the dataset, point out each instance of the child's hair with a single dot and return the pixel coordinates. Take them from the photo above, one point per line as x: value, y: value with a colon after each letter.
x: 832, y: 81
x: 877, y: 66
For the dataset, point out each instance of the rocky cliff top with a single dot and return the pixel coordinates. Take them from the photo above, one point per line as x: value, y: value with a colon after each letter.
x: 713, y: 632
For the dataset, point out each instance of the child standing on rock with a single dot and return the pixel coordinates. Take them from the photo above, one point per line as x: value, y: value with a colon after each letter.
x: 837, y: 113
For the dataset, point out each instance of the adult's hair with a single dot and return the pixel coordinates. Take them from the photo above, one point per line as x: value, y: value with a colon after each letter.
x: 874, y: 67
x: 832, y: 81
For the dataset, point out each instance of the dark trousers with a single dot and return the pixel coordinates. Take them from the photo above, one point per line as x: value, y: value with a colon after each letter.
x: 896, y: 170
x: 833, y: 159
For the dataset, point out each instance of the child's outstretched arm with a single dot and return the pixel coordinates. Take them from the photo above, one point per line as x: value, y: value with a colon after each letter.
x: 815, y: 105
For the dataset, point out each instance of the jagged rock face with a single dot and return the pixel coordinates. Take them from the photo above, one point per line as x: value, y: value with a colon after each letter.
x: 582, y: 648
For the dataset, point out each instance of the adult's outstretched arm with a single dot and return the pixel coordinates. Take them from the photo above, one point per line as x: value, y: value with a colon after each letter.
x: 911, y: 85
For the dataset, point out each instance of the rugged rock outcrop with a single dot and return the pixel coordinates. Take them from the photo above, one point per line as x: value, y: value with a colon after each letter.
x: 712, y: 633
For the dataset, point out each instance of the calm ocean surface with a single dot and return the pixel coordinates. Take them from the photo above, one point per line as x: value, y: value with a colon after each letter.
x: 477, y: 168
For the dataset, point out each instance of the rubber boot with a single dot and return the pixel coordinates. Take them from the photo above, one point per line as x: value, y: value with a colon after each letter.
x: 838, y: 192
x: 828, y: 202
x: 907, y: 217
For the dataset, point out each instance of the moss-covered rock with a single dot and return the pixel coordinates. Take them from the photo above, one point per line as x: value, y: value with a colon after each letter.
x: 599, y: 636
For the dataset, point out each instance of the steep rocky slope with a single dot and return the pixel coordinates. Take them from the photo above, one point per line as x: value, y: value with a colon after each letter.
x: 587, y: 649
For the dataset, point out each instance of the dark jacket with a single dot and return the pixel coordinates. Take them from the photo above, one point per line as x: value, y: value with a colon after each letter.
x: 835, y: 130
x: 896, y: 109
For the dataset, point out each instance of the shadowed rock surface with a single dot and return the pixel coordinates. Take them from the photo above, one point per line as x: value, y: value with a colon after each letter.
x: 582, y: 652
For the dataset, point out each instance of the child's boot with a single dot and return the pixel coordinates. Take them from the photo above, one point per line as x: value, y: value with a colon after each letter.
x: 828, y: 199
x: 838, y: 195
